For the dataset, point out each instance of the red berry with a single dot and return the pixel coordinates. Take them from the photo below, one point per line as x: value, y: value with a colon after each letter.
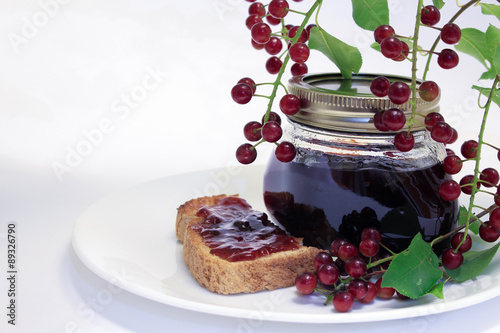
x: 328, y: 273
x: 271, y: 131
x: 273, y: 116
x: 246, y: 153
x: 457, y: 238
x: 257, y: 9
x: 394, y: 119
x: 290, y: 104
x: 384, y: 292
x: 303, y: 35
x: 299, y: 69
x: 379, y: 122
x: 449, y: 190
x: 336, y: 244
x: 466, y: 184
x: 430, y: 15
x: 399, y: 92
x: 250, y: 82
x: 488, y: 233
x: 285, y: 152
x: 252, y: 131
x: 273, y: 20
x: 257, y: 46
x: 368, y: 247
x: 495, y: 217
x: 441, y: 132
x: 241, y: 93
x: 431, y: 119
x: 322, y: 258
x: 278, y: 8
x: 273, y: 65
x: 383, y: 32
x: 306, y: 283
x: 391, y: 47
x: 273, y: 46
x: 358, y: 288
x: 489, y: 177
x: 347, y: 251
x: 372, y: 233
x: 452, y: 259
x: 404, y: 52
x: 448, y: 59
x: 252, y: 20
x: 452, y: 164
x: 343, y: 301
x: 371, y: 293
x: 355, y: 267
x: 299, y: 52
x: 454, y: 137
x: 404, y: 141
x: 261, y: 33
x: 428, y: 90
x: 451, y: 33
x: 380, y: 86
x: 469, y: 149
x: 309, y: 27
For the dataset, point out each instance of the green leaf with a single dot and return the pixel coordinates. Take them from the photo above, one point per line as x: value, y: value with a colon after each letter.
x: 490, y: 74
x: 495, y: 97
x: 474, y: 264
x: 369, y: 14
x: 437, y: 290
x: 495, y: 61
x: 489, y: 9
x: 492, y: 37
x: 438, y: 3
x: 414, y: 272
x: 347, y: 58
x: 462, y: 218
x: 473, y: 42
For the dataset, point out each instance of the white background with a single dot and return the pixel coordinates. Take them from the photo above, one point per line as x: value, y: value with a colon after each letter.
x: 98, y: 96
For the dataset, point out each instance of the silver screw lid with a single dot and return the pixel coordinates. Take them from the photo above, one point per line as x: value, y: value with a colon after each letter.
x: 332, y: 102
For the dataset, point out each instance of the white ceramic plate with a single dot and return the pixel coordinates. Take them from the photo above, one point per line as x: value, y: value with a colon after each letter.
x: 128, y: 238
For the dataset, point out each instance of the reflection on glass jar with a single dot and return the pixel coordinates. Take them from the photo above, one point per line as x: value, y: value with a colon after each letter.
x: 348, y: 176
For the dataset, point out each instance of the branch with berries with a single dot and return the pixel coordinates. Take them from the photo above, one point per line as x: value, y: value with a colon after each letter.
x: 344, y: 276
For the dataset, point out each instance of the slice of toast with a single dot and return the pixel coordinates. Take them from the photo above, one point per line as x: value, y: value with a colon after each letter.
x: 269, y: 272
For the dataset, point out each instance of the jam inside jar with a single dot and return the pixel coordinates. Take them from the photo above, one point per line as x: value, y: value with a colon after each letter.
x: 347, y: 176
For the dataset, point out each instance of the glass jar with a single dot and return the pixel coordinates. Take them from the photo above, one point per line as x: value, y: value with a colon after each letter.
x: 347, y: 175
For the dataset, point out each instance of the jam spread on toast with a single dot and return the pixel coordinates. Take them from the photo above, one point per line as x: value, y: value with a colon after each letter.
x: 235, y: 232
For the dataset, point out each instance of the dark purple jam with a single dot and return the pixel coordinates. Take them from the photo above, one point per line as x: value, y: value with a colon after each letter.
x: 320, y: 204
x: 235, y: 232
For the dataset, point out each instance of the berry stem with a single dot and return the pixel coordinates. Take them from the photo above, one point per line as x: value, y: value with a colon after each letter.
x: 478, y: 155
x: 277, y: 82
x: 380, y: 261
x: 472, y: 219
x: 492, y: 146
x: 414, y: 67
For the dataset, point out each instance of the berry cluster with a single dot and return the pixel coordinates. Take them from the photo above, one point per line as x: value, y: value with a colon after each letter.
x: 294, y: 37
x: 470, y: 184
x: 394, y: 47
x: 345, y: 274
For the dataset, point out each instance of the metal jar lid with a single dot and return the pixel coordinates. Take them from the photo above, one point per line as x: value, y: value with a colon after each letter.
x: 331, y: 102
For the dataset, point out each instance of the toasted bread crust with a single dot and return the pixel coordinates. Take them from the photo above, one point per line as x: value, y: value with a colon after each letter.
x: 270, y: 272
